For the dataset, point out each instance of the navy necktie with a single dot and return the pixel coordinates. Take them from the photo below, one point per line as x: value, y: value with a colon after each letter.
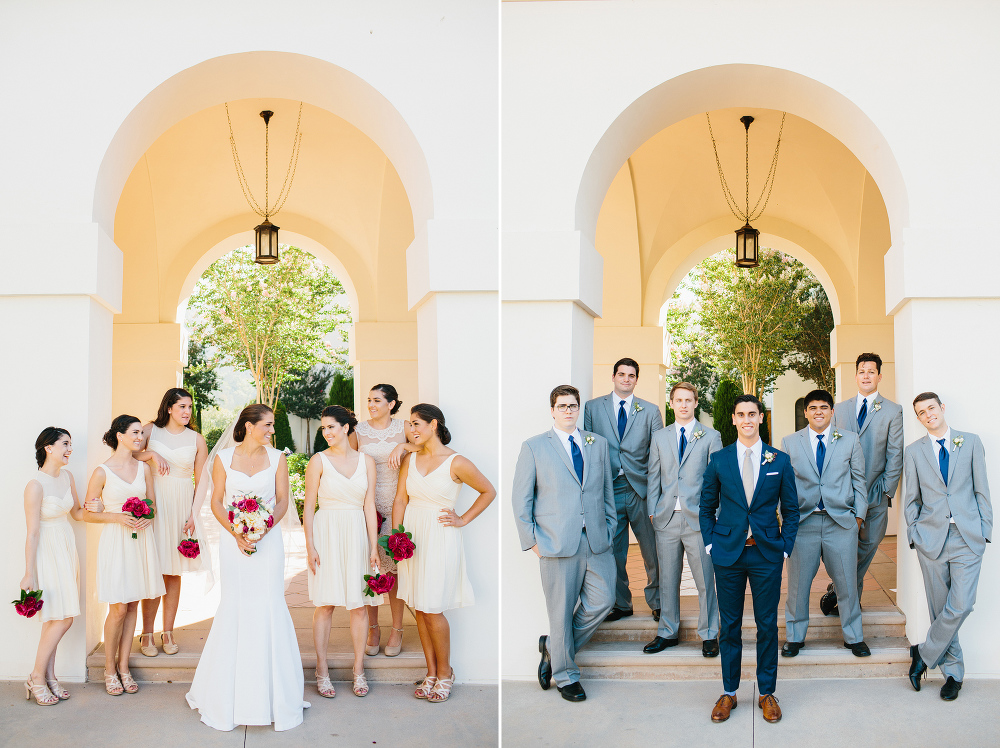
x: 863, y: 413
x: 820, y: 456
x: 684, y: 443
x: 577, y: 458
x: 622, y: 420
x: 943, y: 460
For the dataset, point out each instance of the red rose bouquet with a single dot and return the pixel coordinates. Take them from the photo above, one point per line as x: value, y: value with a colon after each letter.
x: 250, y: 518
x: 189, y: 548
x: 29, y: 603
x: 138, y: 508
x: 378, y: 584
x: 399, y: 544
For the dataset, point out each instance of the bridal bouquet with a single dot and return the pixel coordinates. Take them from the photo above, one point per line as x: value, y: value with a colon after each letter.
x: 138, y: 508
x: 249, y: 517
x: 189, y: 548
x: 29, y: 603
x: 399, y: 543
x: 378, y: 584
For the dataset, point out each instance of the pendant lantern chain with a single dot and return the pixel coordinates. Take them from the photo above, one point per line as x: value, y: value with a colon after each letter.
x: 268, y: 210
x: 748, y: 215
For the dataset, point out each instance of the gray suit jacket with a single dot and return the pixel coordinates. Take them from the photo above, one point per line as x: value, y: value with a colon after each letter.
x: 550, y: 503
x: 881, y: 442
x: 928, y: 502
x: 842, y: 485
x: 669, y: 480
x: 631, y: 452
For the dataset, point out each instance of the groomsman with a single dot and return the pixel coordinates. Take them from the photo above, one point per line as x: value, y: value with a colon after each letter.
x: 949, y: 521
x: 830, y: 481
x: 878, y: 421
x: 628, y: 423
x: 745, y: 486
x: 564, y: 507
x: 678, y: 457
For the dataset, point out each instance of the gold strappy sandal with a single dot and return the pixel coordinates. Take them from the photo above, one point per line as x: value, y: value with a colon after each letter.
x: 424, y: 687
x: 56, y: 688
x: 442, y: 689
x: 43, y: 696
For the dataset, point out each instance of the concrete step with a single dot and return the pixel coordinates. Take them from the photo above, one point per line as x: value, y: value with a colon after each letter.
x: 821, y: 659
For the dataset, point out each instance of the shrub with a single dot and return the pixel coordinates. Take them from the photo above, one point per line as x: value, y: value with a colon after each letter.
x: 282, y: 430
x: 212, y: 437
x: 722, y: 410
x: 319, y: 443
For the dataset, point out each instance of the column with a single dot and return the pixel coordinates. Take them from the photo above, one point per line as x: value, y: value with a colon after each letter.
x: 147, y: 360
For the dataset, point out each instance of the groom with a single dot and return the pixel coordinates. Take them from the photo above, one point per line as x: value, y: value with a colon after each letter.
x: 564, y: 508
x: 746, y: 485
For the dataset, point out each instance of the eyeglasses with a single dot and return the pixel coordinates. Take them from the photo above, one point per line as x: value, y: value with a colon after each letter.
x: 564, y: 407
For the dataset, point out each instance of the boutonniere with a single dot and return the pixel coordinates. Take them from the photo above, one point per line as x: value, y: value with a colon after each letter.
x: 697, y: 435
x: 958, y: 441
x: 836, y: 435
x: 636, y: 408
x: 588, y: 439
x: 876, y: 406
x: 769, y: 456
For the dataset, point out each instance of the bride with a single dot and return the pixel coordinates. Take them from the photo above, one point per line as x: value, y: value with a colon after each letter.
x: 250, y: 672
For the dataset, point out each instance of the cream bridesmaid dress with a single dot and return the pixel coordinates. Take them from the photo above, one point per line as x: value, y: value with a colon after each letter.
x: 340, y: 536
x: 128, y: 569
x: 434, y: 579
x: 57, y: 565
x: 174, y: 496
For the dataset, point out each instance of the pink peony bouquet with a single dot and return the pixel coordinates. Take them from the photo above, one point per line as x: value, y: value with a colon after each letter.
x: 189, y: 548
x: 378, y: 584
x: 399, y: 544
x: 29, y: 603
x: 249, y: 517
x: 138, y: 508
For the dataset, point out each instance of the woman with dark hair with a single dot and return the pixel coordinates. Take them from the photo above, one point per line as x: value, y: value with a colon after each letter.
x: 51, y: 563
x: 340, y: 541
x: 128, y: 569
x: 177, y: 451
x: 384, y: 439
x: 434, y: 579
x: 250, y: 671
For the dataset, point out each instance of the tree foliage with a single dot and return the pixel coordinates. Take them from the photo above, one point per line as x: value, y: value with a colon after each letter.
x: 268, y: 319
x: 282, y: 429
x: 810, y: 357
x: 342, y: 392
x: 722, y: 420
x: 304, y: 395
x: 200, y: 379
x: 690, y: 366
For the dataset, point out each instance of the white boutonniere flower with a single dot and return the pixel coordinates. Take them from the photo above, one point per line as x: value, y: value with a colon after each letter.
x: 636, y: 407
x: 836, y: 435
x: 877, y: 406
x: 769, y: 456
x: 958, y: 441
x: 697, y: 435
x: 589, y: 439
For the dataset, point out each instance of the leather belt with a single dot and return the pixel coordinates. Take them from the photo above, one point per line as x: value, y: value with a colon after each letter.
x: 750, y: 541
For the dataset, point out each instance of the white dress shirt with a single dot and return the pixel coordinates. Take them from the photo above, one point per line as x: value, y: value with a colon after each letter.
x: 689, y: 428
x: 871, y: 401
x: 628, y: 413
x: 937, y: 451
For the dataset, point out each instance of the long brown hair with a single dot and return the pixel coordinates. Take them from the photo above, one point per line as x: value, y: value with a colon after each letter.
x: 170, y: 398
x: 251, y: 414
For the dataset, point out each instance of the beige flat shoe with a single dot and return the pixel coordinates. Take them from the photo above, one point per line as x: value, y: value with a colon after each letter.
x: 372, y: 649
x: 393, y: 651
x: 168, y: 644
x: 147, y: 649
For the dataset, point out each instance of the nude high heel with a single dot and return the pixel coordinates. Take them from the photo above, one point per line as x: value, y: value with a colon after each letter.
x: 43, y: 696
x: 372, y: 649
x: 393, y: 651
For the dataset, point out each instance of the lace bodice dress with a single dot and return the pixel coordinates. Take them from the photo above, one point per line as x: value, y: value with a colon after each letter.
x: 379, y: 443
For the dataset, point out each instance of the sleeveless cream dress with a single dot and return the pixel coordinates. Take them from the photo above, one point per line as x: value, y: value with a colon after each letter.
x: 174, y: 496
x: 57, y: 565
x: 340, y: 536
x: 127, y: 569
x: 434, y: 579
x: 379, y: 443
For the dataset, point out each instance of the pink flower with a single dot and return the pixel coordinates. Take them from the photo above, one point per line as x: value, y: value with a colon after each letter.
x: 269, y: 521
x: 189, y: 548
x: 400, y: 546
x: 232, y: 516
x: 378, y: 584
x: 248, y: 505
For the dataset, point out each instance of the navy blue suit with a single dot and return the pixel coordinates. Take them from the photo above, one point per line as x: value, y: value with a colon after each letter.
x: 725, y: 519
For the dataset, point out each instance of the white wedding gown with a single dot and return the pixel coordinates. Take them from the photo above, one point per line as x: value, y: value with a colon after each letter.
x: 250, y: 672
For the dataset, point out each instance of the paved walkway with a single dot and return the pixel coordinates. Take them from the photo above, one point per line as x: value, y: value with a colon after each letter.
x: 158, y: 716
x: 867, y: 713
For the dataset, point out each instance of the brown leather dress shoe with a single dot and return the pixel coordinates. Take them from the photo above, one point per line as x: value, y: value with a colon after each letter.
x: 772, y: 712
x: 722, y: 708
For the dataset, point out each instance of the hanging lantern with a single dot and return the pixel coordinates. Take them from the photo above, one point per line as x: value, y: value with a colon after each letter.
x: 746, y: 247
x: 267, y: 243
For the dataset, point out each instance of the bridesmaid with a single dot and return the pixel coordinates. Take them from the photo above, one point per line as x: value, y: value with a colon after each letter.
x: 384, y: 438
x: 50, y: 560
x: 174, y: 451
x: 341, y: 540
x: 434, y: 579
x: 128, y: 569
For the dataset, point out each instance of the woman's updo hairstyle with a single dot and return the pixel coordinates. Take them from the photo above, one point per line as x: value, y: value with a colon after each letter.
x: 251, y: 414
x: 49, y: 436
x: 119, y: 426
x: 428, y: 413
x: 390, y: 394
x: 341, y: 415
x: 170, y: 398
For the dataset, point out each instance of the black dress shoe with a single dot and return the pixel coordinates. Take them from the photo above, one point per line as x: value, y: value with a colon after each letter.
x: 617, y: 613
x: 828, y: 604
x: 859, y: 649
x: 659, y: 644
x: 573, y: 692
x: 950, y: 689
x: 656, y: 614
x: 790, y: 649
x: 918, y: 668
x: 710, y: 648
x: 545, y: 666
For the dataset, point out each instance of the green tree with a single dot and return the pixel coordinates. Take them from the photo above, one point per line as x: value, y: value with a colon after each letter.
x: 305, y: 394
x: 282, y: 430
x: 268, y: 319
x: 342, y: 392
x: 200, y: 379
x: 319, y: 443
x: 810, y: 356
x: 722, y: 419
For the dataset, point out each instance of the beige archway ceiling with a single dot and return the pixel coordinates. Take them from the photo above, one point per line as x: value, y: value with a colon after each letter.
x: 183, y: 197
